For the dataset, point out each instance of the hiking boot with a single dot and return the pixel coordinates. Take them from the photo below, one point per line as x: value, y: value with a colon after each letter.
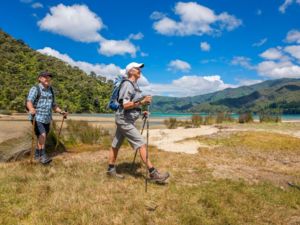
x: 113, y: 173
x: 37, y: 154
x: 158, y: 177
x: 44, y: 159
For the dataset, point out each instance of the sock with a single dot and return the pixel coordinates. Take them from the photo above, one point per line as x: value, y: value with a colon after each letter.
x: 151, y: 169
x: 111, y: 166
x: 43, y: 151
x: 37, y: 152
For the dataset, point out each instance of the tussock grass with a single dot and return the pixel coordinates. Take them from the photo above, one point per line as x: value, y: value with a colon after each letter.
x: 81, y: 132
x: 245, y: 117
x: 197, y: 120
x: 171, y: 123
x: 5, y: 112
x: 75, y: 190
x: 256, y: 141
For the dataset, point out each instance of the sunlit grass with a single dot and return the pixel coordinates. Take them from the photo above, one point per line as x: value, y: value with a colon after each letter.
x: 77, y: 191
x: 256, y: 141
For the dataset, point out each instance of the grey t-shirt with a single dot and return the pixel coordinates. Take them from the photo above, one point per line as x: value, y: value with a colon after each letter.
x: 129, y: 91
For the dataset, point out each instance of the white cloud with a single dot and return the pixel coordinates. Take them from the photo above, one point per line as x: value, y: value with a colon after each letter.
x: 188, y: 86
x: 37, y: 5
x: 143, y: 82
x: 137, y: 36
x: 293, y: 36
x: 79, y: 23
x: 277, y: 70
x: 157, y: 15
x: 195, y: 19
x: 179, y: 65
x: 228, y: 21
x: 144, y: 54
x: 109, y: 71
x: 284, y: 6
x: 247, y: 82
x: 242, y: 61
x: 293, y: 50
x: 260, y: 43
x: 272, y: 54
x: 117, y: 47
x: 287, y: 3
x: 76, y: 22
x: 204, y: 46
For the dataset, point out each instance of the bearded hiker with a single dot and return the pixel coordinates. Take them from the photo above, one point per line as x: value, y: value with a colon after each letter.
x: 40, y: 103
x: 130, y: 101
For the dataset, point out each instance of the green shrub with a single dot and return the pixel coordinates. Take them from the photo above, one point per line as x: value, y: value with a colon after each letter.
x: 224, y: 117
x: 171, y: 123
x: 269, y: 117
x: 196, y: 120
x: 5, y: 112
x: 245, y: 117
x: 81, y: 132
x: 209, y: 120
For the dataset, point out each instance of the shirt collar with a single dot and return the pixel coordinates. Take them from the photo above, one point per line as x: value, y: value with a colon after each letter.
x: 42, y: 87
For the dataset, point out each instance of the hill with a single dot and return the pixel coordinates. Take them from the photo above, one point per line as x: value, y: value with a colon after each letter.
x: 281, y: 94
x: 19, y: 66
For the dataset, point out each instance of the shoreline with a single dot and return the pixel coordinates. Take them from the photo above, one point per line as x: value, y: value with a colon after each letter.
x: 106, y: 118
x: 171, y: 140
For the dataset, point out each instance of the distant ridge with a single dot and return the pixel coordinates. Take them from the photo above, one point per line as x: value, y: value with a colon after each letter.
x: 282, y: 94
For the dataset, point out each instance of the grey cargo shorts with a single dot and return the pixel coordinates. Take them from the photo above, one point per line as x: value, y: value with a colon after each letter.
x: 127, y: 129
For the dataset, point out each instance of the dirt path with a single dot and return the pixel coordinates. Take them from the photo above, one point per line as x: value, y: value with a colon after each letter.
x: 173, y: 140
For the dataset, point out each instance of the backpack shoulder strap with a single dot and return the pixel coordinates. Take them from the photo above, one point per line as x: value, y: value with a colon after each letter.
x: 132, y: 86
x: 128, y: 81
x: 53, y: 96
x: 38, y: 91
x: 38, y: 96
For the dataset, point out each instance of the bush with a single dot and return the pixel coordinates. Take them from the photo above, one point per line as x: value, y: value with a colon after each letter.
x: 171, y: 123
x: 81, y: 132
x: 196, y: 120
x: 223, y: 117
x: 54, y: 143
x: 6, y: 112
x: 269, y: 117
x: 245, y: 117
x: 209, y: 120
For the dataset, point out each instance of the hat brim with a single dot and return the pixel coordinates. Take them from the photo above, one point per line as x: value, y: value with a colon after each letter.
x: 46, y: 75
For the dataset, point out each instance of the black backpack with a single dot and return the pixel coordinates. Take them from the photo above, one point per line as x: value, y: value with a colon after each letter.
x: 35, y: 102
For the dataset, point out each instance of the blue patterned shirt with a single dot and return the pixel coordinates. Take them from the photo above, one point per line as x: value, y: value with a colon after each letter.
x: 44, y: 105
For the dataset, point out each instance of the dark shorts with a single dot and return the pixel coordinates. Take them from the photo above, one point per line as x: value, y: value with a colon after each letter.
x: 41, y: 128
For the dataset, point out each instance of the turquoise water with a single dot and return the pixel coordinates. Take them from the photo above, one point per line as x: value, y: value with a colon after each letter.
x: 185, y: 115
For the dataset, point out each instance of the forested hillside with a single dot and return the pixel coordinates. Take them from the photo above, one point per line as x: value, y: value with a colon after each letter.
x: 19, y: 66
x: 282, y: 95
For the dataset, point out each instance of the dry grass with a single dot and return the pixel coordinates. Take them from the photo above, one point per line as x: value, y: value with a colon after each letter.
x: 241, y: 179
x: 75, y: 190
x: 254, y: 156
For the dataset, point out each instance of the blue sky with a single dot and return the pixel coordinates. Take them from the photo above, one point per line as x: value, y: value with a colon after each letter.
x: 188, y: 47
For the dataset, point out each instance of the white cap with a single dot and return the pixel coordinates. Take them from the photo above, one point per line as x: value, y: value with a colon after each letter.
x: 133, y: 65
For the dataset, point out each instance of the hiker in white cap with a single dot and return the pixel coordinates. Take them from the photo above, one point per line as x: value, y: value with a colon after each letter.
x: 131, y: 99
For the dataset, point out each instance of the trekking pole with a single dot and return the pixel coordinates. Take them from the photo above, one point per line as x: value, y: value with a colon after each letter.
x: 147, y: 145
x: 32, y: 139
x: 59, y: 132
x: 144, y: 123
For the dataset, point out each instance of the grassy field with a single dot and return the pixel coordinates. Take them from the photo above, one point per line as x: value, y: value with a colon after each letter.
x: 240, y: 179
